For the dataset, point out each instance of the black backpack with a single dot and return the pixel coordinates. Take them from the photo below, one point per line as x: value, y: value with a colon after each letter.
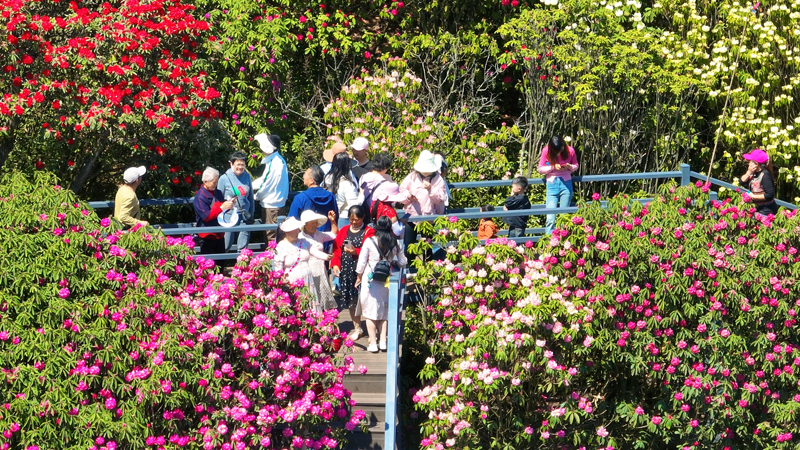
x: 383, y: 269
x: 373, y: 209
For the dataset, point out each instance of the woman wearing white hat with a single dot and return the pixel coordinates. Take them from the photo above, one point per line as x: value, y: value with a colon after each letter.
x: 292, y: 253
x: 425, y: 191
x: 319, y: 282
x: 272, y: 187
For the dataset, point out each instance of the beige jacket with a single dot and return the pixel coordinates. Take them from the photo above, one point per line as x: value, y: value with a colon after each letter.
x: 126, y: 206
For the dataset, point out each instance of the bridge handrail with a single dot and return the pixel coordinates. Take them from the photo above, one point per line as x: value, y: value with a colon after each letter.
x: 733, y: 187
x: 397, y: 287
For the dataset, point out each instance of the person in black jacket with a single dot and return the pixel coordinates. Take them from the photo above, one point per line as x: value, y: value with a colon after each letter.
x: 761, y: 182
x: 516, y: 201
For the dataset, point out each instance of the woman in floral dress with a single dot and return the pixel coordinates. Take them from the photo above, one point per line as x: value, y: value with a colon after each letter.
x: 346, y: 249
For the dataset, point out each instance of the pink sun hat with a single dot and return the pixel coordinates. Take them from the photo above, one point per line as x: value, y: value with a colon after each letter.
x: 389, y: 192
x: 757, y: 155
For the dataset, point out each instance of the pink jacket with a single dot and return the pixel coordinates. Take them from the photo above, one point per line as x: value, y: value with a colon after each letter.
x: 565, y: 173
x: 428, y: 201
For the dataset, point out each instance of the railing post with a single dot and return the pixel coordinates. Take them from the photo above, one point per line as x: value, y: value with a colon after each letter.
x: 686, y: 171
x: 393, y: 358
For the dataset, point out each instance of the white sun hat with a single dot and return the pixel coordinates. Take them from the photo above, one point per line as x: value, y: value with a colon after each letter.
x: 426, y: 163
x: 310, y: 216
x: 291, y: 224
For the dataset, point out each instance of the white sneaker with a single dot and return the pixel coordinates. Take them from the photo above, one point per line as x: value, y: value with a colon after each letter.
x: 372, y: 348
x: 383, y: 345
x: 356, y: 334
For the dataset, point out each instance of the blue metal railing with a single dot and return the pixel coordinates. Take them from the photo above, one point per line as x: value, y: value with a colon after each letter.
x: 397, y: 286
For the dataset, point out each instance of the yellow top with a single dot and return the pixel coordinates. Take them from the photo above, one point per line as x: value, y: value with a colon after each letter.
x: 126, y: 206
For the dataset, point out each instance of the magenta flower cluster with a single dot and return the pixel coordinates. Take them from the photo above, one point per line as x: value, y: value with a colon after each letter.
x: 128, y: 340
x: 672, y: 323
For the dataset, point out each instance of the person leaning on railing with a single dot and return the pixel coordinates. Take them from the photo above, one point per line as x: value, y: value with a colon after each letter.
x: 236, y: 184
x: 126, y: 203
x: 208, y: 204
x: 424, y: 190
x: 557, y: 163
x: 760, y: 177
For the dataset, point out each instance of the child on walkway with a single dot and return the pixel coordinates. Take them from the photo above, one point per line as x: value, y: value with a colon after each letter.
x: 516, y: 201
x: 487, y: 228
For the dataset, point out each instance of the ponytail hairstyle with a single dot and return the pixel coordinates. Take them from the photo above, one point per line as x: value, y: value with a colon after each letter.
x: 557, y: 150
x: 387, y: 242
x: 769, y: 168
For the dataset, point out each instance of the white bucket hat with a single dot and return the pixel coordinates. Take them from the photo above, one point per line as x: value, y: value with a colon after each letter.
x: 426, y: 163
x: 133, y: 173
x: 310, y: 216
x: 291, y: 224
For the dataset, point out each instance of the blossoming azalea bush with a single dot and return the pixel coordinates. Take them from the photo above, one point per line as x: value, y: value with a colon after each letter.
x: 89, y: 80
x: 112, y: 339
x: 744, y: 50
x: 392, y: 108
x: 268, y: 370
x: 593, y: 73
x: 671, y: 324
x: 88, y: 331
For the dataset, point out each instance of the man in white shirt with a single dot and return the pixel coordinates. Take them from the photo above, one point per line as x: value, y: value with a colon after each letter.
x: 272, y: 187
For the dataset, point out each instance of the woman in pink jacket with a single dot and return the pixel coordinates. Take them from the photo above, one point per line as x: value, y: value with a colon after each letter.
x: 425, y: 191
x: 557, y: 163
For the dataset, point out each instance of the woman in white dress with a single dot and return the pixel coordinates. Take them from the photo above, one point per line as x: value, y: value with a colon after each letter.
x: 319, y: 282
x: 292, y: 253
x: 374, y: 295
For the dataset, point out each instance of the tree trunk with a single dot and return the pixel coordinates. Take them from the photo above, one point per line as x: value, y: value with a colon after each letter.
x: 80, y: 179
x: 7, y: 143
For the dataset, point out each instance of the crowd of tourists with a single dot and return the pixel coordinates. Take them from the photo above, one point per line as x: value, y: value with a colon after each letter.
x: 343, y: 233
